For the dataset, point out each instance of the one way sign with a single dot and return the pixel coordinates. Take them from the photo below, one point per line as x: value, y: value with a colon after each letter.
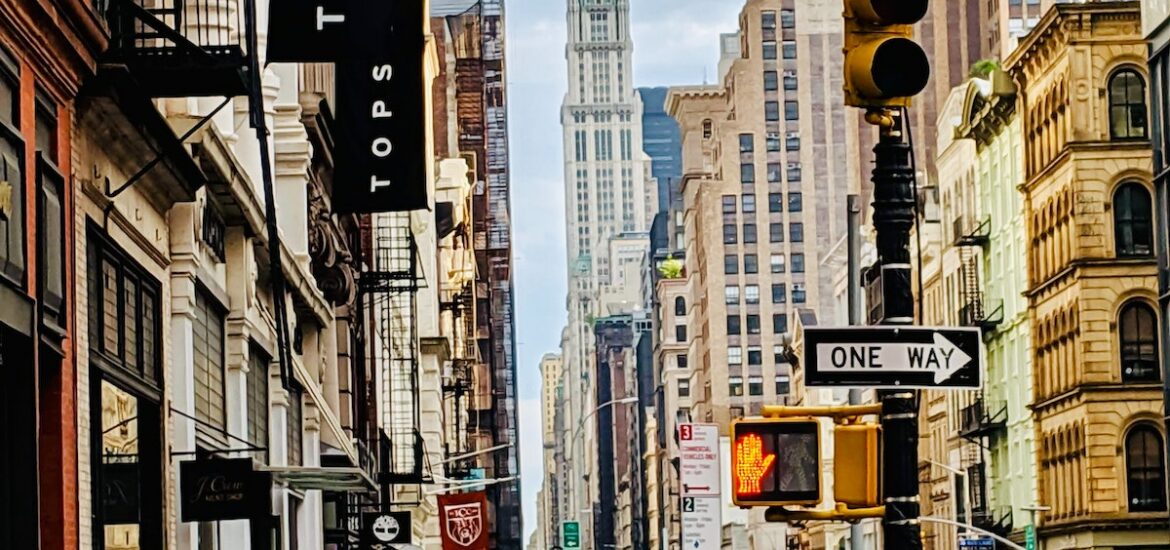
x: 894, y: 357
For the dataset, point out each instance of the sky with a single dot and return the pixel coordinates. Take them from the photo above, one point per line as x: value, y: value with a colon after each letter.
x: 676, y: 42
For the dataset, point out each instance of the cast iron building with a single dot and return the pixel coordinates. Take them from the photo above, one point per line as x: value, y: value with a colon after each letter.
x: 478, y: 45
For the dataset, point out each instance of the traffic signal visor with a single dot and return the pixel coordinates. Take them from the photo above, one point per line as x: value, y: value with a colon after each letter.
x: 883, y: 66
x: 775, y: 462
x: 857, y: 465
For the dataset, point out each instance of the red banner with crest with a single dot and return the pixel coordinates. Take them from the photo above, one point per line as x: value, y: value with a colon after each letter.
x: 463, y: 521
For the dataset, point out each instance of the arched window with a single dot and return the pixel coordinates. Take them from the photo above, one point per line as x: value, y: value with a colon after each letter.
x: 1127, y: 105
x: 1145, y: 470
x: 1138, y: 329
x: 680, y: 306
x: 1133, y: 221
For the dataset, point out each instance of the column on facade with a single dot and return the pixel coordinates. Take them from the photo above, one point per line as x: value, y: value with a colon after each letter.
x: 182, y: 358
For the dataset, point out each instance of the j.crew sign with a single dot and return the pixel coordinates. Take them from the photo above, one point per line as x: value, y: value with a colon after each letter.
x: 218, y: 489
x: 381, y: 109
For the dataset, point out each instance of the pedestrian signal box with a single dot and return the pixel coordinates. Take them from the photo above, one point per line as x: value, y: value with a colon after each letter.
x: 776, y: 462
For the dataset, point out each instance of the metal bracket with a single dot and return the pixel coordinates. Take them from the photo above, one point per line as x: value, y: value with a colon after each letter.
x: 159, y: 156
x: 840, y: 513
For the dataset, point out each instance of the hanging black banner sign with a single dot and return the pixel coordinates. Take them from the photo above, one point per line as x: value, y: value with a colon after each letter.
x: 305, y: 31
x: 120, y: 490
x: 381, y: 529
x: 220, y: 489
x: 381, y: 155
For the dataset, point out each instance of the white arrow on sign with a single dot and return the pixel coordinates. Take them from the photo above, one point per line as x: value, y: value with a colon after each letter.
x: 942, y: 358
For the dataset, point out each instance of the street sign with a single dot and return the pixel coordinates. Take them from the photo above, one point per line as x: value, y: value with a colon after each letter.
x: 699, y: 459
x: 571, y: 534
x: 894, y: 357
x: 1030, y: 537
x: 701, y: 523
x: 977, y: 543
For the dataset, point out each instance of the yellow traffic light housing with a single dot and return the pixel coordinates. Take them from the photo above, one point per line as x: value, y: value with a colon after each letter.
x: 884, y: 67
x: 857, y: 465
x: 776, y: 462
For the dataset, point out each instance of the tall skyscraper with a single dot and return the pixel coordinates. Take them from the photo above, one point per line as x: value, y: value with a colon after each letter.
x: 606, y: 195
x: 662, y: 142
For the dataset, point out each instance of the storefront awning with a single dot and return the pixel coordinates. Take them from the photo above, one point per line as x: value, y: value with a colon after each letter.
x: 324, y: 479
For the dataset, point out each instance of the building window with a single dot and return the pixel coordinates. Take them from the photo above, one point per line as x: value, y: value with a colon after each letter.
x: 707, y: 129
x: 795, y: 202
x: 769, y: 50
x: 779, y: 293
x: 772, y: 111
x: 681, y: 360
x: 750, y: 264
x: 789, y: 81
x: 1138, y: 330
x: 684, y: 388
x: 124, y: 312
x: 258, y: 399
x: 768, y: 19
x: 776, y: 232
x: 1133, y: 221
x: 51, y: 240
x: 730, y: 235
x: 773, y: 141
x: 778, y: 263
x: 771, y: 81
x: 733, y: 325
x: 792, y: 143
x: 728, y: 204
x: 779, y: 323
x: 735, y: 385
x: 773, y: 172
x: 791, y: 110
x: 755, y: 384
x: 12, y: 225
x: 731, y: 295
x: 751, y: 294
x: 295, y: 423
x: 746, y: 143
x: 1145, y: 471
x: 749, y: 203
x: 680, y: 334
x: 778, y: 355
x: 214, y: 232
x: 775, y: 202
x: 798, y: 263
x: 789, y: 49
x: 753, y: 327
x: 787, y: 19
x: 1127, y: 105
x: 747, y: 173
x: 734, y: 355
x: 796, y: 232
x: 680, y: 306
x: 749, y: 233
x: 782, y: 387
x: 794, y: 172
x: 730, y: 264
x: 798, y: 293
x: 209, y: 363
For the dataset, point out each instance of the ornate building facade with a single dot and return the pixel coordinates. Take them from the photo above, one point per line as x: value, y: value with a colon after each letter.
x: 1092, y: 285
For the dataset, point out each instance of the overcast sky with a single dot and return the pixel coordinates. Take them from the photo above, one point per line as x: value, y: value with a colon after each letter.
x: 676, y: 42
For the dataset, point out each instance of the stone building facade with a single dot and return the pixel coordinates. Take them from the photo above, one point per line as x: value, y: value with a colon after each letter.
x: 1092, y: 286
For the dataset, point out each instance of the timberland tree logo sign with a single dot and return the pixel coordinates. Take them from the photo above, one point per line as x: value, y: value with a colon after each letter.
x: 462, y: 517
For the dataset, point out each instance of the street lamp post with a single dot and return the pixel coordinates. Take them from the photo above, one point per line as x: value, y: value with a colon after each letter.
x: 966, y: 496
x: 572, y: 440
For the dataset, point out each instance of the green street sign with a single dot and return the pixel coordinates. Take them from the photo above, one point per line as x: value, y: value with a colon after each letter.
x: 571, y: 534
x: 1030, y: 537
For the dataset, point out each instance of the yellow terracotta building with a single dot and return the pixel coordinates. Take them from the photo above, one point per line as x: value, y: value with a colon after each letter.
x: 1091, y: 279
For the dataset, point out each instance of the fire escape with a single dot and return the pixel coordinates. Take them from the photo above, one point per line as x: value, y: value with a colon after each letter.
x: 458, y: 378
x: 974, y: 311
x: 389, y: 288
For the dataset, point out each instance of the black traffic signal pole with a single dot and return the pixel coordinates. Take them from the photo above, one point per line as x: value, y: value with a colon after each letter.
x: 893, y: 217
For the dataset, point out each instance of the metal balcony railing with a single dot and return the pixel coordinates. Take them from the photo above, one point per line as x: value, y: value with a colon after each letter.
x: 996, y: 520
x: 964, y: 236
x: 181, y: 48
x: 982, y: 418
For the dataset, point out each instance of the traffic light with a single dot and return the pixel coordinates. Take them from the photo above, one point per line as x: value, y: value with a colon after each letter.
x: 883, y: 66
x: 775, y: 462
x: 857, y: 464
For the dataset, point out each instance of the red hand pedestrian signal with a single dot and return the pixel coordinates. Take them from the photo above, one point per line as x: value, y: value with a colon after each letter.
x: 751, y: 464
